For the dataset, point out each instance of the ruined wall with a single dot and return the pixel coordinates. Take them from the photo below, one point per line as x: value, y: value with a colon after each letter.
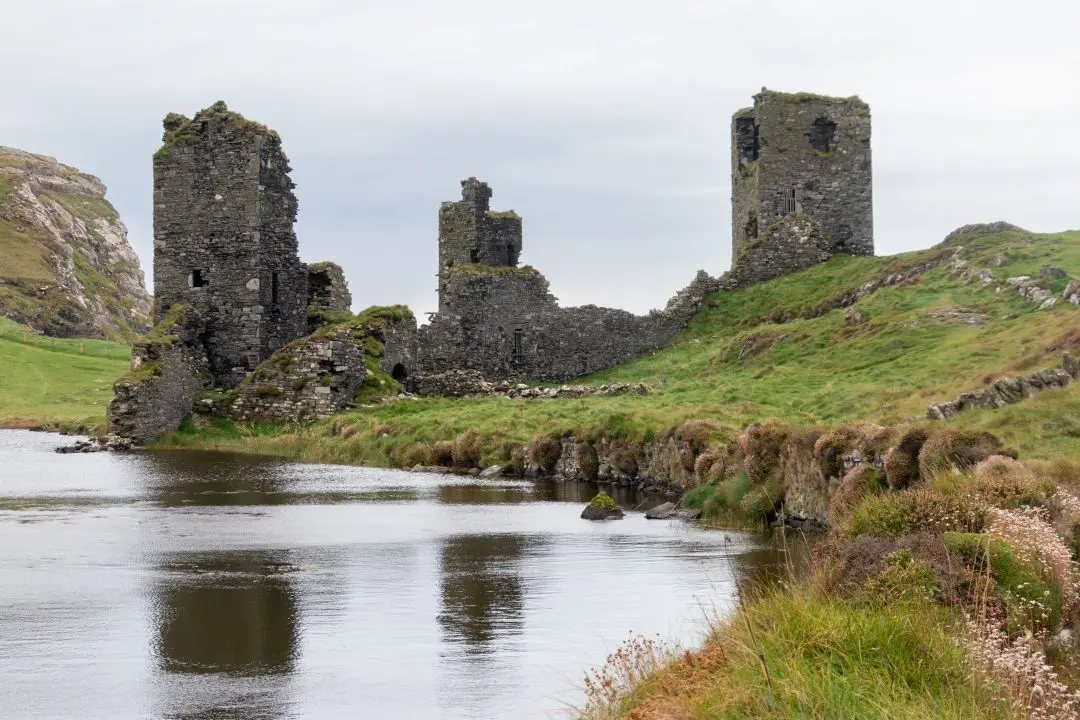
x: 307, y: 379
x: 802, y: 154
x: 223, y: 237
x: 505, y: 324
x: 792, y: 244
x: 471, y: 233
x: 327, y: 289
x: 167, y: 372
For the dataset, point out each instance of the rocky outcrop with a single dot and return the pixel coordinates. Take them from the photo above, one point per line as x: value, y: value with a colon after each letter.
x: 1006, y: 391
x: 67, y: 269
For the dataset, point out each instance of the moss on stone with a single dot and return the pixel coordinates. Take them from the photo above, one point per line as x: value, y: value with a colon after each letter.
x: 163, y: 331
x: 478, y: 270
x: 605, y: 502
x: 181, y: 131
x: 503, y: 214
x: 854, y: 100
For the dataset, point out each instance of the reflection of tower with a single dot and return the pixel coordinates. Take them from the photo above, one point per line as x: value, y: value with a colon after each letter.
x: 232, y: 613
x: 482, y: 594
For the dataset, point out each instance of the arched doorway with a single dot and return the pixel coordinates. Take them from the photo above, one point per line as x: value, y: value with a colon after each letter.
x: 399, y: 373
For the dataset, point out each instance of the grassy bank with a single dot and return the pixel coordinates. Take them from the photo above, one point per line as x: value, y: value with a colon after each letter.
x: 779, y: 349
x: 909, y: 612
x: 56, y: 382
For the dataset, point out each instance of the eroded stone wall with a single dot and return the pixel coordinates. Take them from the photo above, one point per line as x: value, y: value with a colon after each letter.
x: 801, y: 154
x: 327, y: 289
x: 223, y: 237
x: 307, y: 379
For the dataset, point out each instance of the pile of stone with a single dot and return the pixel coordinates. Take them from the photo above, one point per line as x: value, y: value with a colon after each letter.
x: 468, y: 383
x: 1072, y: 292
x: 99, y: 444
x: 573, y: 391
x: 1007, y: 391
x: 1033, y: 291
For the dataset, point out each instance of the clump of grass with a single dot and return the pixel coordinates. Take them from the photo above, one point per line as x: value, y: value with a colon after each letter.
x: 901, y: 463
x: 468, y: 449
x: 957, y: 448
x: 914, y: 510
x: 544, y: 452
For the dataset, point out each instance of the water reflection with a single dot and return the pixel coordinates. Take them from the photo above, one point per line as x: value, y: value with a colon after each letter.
x: 482, y: 593
x: 231, y: 612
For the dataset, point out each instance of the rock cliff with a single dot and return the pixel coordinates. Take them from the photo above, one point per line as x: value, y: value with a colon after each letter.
x: 66, y: 267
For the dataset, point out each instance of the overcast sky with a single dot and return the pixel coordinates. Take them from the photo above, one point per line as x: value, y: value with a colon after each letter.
x: 603, y: 122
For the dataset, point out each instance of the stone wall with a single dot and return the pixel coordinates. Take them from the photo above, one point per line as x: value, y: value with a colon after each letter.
x: 223, y: 237
x: 167, y: 373
x: 471, y: 233
x: 307, y: 379
x: 327, y: 289
x: 792, y: 244
x: 500, y: 320
x: 801, y: 154
x: 503, y: 323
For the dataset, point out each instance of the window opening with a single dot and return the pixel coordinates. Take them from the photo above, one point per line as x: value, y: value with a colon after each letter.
x: 791, y: 203
x: 518, y: 354
x: 196, y: 279
x: 273, y: 288
x: 822, y: 135
x: 399, y: 373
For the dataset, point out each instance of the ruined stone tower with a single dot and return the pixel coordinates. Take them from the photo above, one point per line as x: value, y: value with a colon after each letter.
x: 471, y: 233
x: 224, y: 243
x: 801, y: 183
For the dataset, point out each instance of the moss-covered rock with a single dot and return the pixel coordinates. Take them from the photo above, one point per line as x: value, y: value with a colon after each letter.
x: 602, y: 507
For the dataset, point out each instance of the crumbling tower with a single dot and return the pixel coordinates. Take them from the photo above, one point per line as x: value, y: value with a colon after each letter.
x: 471, y: 233
x: 223, y: 237
x: 806, y: 157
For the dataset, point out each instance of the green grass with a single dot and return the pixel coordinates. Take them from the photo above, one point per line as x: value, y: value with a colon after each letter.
x: 825, y: 658
x: 776, y: 350
x: 56, y: 381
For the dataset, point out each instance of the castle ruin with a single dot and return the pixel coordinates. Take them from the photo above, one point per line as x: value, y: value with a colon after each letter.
x: 239, y: 314
x: 800, y: 183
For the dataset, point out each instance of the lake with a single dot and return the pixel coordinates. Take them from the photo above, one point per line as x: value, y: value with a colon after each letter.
x: 199, y: 585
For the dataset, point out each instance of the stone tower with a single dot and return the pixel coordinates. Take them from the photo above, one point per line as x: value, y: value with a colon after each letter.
x: 223, y: 237
x: 806, y: 157
x: 471, y: 233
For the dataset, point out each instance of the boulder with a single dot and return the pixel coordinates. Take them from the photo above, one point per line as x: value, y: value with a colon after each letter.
x: 602, y: 507
x: 689, y: 513
x: 1051, y: 272
x: 99, y: 444
x: 661, y: 512
x: 493, y: 472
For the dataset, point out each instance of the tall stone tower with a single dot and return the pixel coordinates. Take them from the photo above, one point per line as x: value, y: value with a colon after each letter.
x: 805, y: 157
x: 223, y: 237
x: 471, y: 233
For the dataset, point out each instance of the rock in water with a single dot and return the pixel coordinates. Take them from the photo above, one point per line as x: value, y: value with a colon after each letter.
x: 661, y: 512
x: 492, y: 472
x: 602, y: 507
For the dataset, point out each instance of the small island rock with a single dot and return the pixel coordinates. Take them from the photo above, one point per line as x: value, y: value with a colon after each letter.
x: 602, y: 507
x: 661, y: 512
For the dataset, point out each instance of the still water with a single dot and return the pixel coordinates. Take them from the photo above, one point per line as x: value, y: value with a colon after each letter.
x: 190, y: 585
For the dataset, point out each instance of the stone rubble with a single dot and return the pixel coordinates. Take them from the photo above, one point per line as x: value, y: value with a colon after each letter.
x: 103, y: 443
x: 1006, y: 391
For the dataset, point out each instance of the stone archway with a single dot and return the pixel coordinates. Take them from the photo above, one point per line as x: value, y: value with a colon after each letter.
x: 399, y: 373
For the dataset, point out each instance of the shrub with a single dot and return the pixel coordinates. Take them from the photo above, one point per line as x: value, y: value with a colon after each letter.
x: 624, y: 459
x: 757, y: 504
x: 703, y: 466
x: 862, y: 481
x: 914, y: 510
x: 1036, y: 542
x: 700, y: 495
x: 299, y: 384
x: 1004, y: 482
x: 1029, y: 601
x: 588, y: 461
x: 444, y: 453
x: 902, y: 462
x: 347, y: 432
x: 544, y: 452
x: 956, y: 448
x: 761, y: 444
x: 467, y: 449
x: 420, y: 454
x: 697, y: 433
x: 830, y: 448
x: 517, y: 459
x: 267, y: 391
x: 904, y: 578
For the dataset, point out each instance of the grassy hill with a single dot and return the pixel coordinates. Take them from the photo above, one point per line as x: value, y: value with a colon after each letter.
x: 59, y: 382
x: 780, y: 349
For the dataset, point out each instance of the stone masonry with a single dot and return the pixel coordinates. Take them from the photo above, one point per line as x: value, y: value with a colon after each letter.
x: 798, y: 158
x: 327, y: 289
x: 500, y: 319
x: 223, y: 237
